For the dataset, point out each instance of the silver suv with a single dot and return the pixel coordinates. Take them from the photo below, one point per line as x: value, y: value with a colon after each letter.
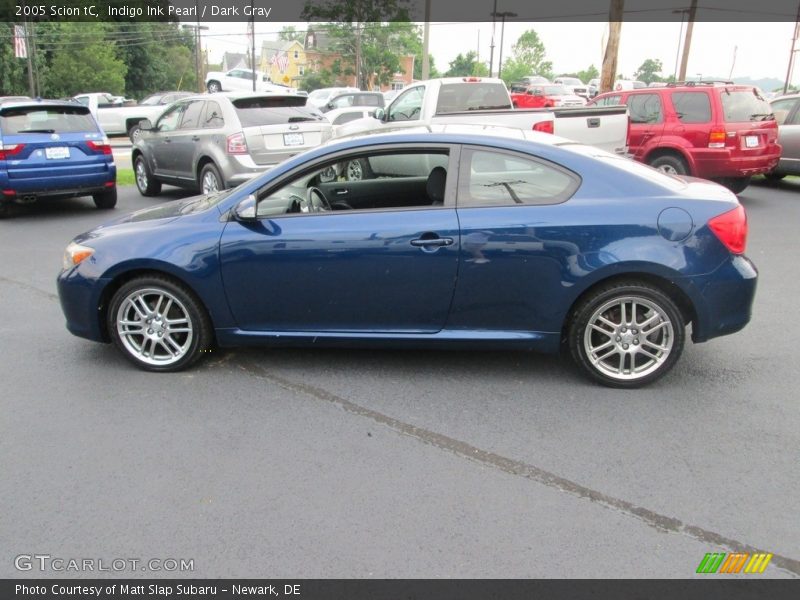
x: 213, y: 142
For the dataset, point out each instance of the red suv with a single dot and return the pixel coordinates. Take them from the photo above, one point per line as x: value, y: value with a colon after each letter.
x: 716, y: 130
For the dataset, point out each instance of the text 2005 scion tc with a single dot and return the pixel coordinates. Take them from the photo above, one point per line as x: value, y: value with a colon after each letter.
x: 449, y: 240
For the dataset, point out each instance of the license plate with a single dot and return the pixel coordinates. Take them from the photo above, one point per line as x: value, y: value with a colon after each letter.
x: 58, y: 152
x: 293, y: 139
x: 751, y: 141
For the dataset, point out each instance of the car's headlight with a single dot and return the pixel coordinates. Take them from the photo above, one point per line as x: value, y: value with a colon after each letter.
x: 75, y: 254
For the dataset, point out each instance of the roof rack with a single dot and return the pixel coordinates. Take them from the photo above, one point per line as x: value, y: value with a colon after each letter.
x: 703, y: 82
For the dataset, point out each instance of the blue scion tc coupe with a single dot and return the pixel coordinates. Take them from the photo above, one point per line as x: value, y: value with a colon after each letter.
x: 449, y: 239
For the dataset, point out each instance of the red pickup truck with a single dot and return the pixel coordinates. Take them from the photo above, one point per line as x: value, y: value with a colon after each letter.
x: 544, y: 96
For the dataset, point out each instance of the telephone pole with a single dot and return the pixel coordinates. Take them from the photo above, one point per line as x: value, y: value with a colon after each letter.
x: 426, y: 35
x: 609, y: 71
x: 791, y: 52
x: 687, y: 41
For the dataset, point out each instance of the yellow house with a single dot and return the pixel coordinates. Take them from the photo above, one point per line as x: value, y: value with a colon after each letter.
x: 284, y: 62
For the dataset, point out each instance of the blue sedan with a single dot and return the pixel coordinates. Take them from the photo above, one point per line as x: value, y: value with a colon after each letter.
x: 449, y: 240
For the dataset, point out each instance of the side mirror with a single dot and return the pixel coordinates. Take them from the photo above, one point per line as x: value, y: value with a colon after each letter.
x: 380, y: 114
x: 145, y: 125
x: 330, y: 105
x: 245, y: 211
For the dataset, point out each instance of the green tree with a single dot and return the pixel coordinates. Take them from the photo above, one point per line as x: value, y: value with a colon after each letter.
x: 588, y: 74
x: 527, y: 58
x: 649, y: 71
x: 371, y: 36
x: 466, y: 64
x: 314, y: 81
x: 82, y: 60
x: 290, y: 34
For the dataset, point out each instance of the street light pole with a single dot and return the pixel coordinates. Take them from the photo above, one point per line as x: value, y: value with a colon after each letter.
x: 491, y: 46
x: 502, y: 15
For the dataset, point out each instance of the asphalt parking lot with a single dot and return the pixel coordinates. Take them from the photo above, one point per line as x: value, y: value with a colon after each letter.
x: 342, y: 463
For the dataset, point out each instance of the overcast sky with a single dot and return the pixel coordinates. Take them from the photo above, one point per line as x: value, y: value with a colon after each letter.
x: 762, y: 49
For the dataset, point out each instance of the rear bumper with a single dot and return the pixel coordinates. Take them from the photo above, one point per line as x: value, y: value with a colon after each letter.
x: 45, y: 185
x: 241, y: 168
x: 710, y: 162
x: 724, y: 299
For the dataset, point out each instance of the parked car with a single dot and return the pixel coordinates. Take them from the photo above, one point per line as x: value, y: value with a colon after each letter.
x: 534, y: 80
x: 720, y: 131
x: 627, y: 84
x: 115, y: 117
x: 52, y: 149
x: 242, y: 79
x: 593, y: 87
x: 506, y: 243
x: 371, y: 99
x: 574, y: 85
x: 340, y: 116
x: 544, y: 96
x: 211, y: 143
x: 320, y: 97
x: 787, y: 116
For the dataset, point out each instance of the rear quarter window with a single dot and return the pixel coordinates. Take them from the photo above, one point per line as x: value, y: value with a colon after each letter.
x: 50, y: 119
x: 692, y: 107
x: 457, y: 97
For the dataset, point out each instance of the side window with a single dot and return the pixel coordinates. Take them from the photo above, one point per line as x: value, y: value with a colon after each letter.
x: 692, y: 107
x: 343, y: 102
x: 407, y: 106
x: 212, y: 117
x: 386, y: 181
x: 170, y: 119
x: 499, y: 179
x: 347, y: 117
x: 782, y: 108
x: 83, y: 100
x: 645, y: 108
x: 192, y: 114
x: 234, y: 73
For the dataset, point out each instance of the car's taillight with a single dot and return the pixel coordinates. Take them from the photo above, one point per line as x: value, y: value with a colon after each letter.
x: 731, y: 229
x: 716, y: 138
x: 544, y: 126
x: 101, y: 147
x: 628, y: 133
x: 10, y: 150
x: 237, y: 144
x: 471, y: 79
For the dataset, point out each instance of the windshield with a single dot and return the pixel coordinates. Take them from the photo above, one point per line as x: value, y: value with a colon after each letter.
x: 274, y: 110
x: 151, y: 100
x: 556, y: 90
x: 571, y: 81
x: 319, y: 95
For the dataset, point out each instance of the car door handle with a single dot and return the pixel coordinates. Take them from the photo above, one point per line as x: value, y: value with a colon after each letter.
x: 341, y: 191
x: 195, y: 138
x: 436, y: 242
x: 168, y: 140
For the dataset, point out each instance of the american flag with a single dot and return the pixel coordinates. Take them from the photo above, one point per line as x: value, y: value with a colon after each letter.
x: 281, y: 59
x: 20, y: 49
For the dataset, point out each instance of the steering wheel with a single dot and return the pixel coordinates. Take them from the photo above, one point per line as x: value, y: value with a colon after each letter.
x: 316, y: 201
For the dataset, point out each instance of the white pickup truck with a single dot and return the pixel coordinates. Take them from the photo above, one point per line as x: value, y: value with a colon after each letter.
x: 486, y: 101
x: 118, y: 119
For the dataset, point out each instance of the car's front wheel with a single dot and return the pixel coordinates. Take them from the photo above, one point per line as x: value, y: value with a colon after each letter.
x: 669, y: 164
x: 735, y: 184
x: 213, y: 87
x: 158, y: 324
x: 145, y: 182
x: 134, y: 133
x: 627, y: 334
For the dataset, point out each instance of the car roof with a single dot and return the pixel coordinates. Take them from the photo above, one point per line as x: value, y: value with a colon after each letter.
x: 454, y: 133
x: 41, y: 102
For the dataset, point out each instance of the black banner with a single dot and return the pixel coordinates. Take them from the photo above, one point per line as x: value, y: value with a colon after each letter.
x: 277, y: 11
x: 344, y: 589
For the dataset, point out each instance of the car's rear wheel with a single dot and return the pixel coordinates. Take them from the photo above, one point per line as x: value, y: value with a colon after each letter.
x: 134, y: 133
x: 106, y: 199
x: 735, y: 184
x: 627, y: 334
x: 158, y: 324
x: 213, y: 87
x: 210, y: 179
x: 145, y: 182
x: 773, y: 176
x: 357, y: 170
x: 670, y: 164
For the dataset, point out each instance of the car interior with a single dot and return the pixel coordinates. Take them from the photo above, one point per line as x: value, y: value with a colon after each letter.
x: 389, y: 181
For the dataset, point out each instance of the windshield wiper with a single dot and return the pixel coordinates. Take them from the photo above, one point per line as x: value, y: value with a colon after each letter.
x: 301, y: 119
x: 764, y: 116
x: 36, y: 131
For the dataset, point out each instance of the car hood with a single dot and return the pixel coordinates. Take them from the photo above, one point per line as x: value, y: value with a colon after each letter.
x: 162, y: 214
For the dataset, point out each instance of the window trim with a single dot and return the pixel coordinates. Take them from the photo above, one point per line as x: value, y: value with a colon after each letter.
x: 463, y: 177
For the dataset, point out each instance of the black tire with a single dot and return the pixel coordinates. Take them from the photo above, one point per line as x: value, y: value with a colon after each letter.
x: 210, y: 173
x: 172, y: 350
x: 669, y: 163
x: 213, y: 87
x: 134, y: 133
x: 106, y: 199
x: 773, y: 176
x: 614, y: 358
x: 735, y: 184
x: 145, y: 182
